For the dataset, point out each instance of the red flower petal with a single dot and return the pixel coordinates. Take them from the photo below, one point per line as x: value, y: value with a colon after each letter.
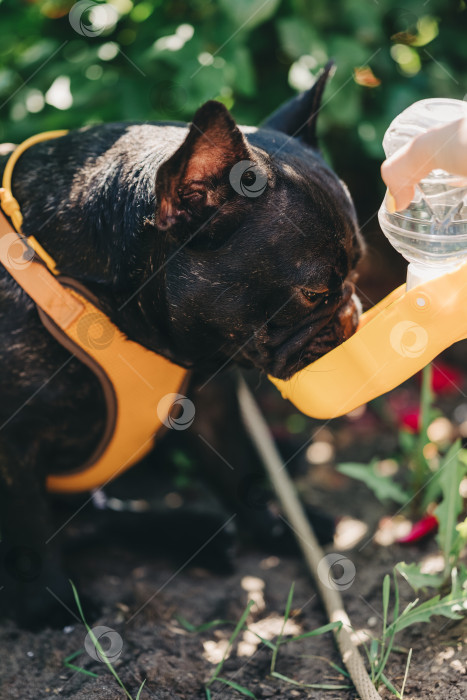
x: 410, y: 420
x: 424, y: 527
x: 446, y: 379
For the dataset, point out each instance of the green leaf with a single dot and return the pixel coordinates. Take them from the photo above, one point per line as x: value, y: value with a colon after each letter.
x: 266, y: 642
x: 288, y: 605
x: 431, y: 490
x: 452, y: 470
x: 201, y: 628
x: 373, y: 652
x: 337, y: 668
x: 417, y: 579
x: 407, y: 441
x: 298, y: 38
x: 390, y: 686
x: 315, y: 633
x: 244, y: 73
x: 395, y: 612
x: 66, y: 662
x: 386, y: 593
x: 96, y: 642
x: 140, y: 689
x: 459, y: 581
x: 236, y: 686
x: 233, y: 636
x: 382, y: 486
x: 387, y: 642
x: 448, y: 606
x: 317, y: 686
x: 249, y: 13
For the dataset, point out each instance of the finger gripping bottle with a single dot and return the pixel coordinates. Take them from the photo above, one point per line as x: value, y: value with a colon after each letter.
x: 431, y: 233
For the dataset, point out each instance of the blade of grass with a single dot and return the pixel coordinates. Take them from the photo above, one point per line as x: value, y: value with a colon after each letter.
x: 82, y: 670
x: 96, y: 643
x: 201, y: 628
x: 233, y: 636
x: 390, y: 686
x: 316, y: 686
x: 286, y: 617
x: 266, y: 642
x: 374, y: 648
x: 368, y: 656
x: 409, y: 657
x: 395, y: 612
x: 384, y: 659
x: 314, y: 633
x: 236, y: 686
x: 331, y: 663
x: 66, y: 662
x: 390, y: 644
x: 140, y: 690
x: 386, y: 595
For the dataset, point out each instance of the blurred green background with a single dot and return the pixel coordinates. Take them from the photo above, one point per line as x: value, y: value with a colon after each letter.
x: 160, y: 59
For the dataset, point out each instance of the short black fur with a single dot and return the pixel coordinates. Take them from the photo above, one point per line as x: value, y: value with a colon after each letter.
x: 145, y: 215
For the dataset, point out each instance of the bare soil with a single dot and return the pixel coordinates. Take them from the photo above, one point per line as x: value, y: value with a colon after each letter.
x: 142, y: 595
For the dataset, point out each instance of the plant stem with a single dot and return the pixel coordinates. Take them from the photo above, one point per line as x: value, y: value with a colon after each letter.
x: 426, y: 399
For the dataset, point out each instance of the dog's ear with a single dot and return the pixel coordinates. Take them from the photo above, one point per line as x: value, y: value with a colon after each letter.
x: 298, y: 117
x: 191, y: 183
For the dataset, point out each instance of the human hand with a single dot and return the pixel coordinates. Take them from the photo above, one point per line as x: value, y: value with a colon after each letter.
x: 443, y: 147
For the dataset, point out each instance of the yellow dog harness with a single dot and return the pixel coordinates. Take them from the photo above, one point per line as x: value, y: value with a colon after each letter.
x: 140, y: 386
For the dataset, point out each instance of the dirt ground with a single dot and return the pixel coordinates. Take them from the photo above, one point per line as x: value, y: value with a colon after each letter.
x: 142, y: 595
x: 174, y: 662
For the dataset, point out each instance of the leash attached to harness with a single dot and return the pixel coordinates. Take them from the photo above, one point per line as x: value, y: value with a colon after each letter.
x: 138, y: 384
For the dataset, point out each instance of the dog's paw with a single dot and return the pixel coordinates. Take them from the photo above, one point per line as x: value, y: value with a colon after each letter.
x: 203, y: 535
x: 34, y: 591
x: 270, y: 529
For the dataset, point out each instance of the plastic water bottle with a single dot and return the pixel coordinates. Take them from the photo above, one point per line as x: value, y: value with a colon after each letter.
x: 431, y: 233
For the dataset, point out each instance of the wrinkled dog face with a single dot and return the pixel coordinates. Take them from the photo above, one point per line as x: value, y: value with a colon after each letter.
x: 262, y: 241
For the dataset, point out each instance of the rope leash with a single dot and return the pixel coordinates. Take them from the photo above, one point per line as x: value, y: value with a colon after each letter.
x: 312, y: 552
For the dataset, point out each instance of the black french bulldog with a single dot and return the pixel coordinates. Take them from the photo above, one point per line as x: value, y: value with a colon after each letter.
x: 193, y: 253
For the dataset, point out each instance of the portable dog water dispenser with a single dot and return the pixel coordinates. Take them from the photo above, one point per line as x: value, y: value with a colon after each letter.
x: 432, y: 232
x: 417, y: 321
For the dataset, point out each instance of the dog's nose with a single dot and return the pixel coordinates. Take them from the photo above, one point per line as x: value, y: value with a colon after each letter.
x: 348, y: 317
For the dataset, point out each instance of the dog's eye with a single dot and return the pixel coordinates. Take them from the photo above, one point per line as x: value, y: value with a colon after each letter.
x: 315, y: 297
x: 192, y: 195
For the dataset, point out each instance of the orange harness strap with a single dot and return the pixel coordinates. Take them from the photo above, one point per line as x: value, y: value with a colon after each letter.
x: 135, y: 380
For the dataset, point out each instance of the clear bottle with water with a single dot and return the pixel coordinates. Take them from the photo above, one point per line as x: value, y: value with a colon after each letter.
x: 431, y: 233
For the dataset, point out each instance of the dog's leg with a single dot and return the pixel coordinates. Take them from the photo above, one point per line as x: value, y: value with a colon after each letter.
x: 30, y: 577
x: 230, y: 461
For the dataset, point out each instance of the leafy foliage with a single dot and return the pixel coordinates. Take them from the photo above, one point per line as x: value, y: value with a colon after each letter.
x: 450, y: 606
x: 384, y: 487
x: 452, y: 471
x: 241, y: 626
x: 160, y: 59
x: 418, y: 579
